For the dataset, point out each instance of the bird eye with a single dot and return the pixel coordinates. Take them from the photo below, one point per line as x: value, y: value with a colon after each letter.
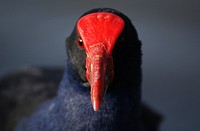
x: 80, y: 42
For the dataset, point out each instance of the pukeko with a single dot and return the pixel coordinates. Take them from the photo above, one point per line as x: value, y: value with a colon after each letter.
x: 101, y: 86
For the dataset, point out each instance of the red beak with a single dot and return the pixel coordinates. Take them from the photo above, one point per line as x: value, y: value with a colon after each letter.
x: 99, y: 73
x: 99, y: 32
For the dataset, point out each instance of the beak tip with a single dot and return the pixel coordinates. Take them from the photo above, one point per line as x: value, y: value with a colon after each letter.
x: 96, y: 104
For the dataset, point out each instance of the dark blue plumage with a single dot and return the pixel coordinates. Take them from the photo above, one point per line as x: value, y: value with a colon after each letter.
x: 71, y: 109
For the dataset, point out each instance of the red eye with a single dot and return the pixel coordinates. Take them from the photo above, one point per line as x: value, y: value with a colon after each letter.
x: 80, y: 43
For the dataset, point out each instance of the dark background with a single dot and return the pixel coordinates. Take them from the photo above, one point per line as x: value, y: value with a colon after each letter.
x: 33, y: 33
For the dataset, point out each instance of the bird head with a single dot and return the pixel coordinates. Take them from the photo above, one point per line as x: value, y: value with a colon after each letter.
x: 98, y: 50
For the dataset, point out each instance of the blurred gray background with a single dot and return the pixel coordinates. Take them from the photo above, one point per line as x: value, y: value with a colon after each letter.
x: 33, y: 33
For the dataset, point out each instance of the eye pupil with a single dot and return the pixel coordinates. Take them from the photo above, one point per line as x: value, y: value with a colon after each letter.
x: 80, y: 42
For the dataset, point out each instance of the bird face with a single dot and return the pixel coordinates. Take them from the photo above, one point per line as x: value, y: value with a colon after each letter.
x: 98, y: 34
x: 98, y: 51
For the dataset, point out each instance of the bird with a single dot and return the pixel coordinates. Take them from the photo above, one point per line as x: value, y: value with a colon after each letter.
x: 100, y: 88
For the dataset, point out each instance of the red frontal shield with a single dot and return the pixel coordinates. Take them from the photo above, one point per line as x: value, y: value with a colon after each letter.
x: 99, y: 32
